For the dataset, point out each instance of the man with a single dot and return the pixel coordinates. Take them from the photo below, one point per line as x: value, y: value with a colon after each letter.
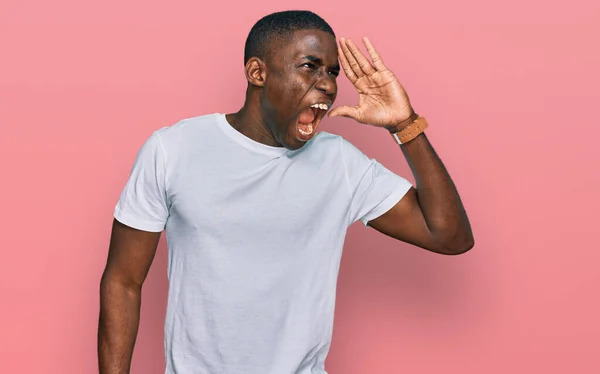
x: 256, y: 205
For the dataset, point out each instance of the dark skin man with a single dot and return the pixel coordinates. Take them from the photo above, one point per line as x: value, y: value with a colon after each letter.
x: 303, y: 71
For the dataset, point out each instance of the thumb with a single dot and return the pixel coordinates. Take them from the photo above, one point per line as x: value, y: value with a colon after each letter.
x: 344, y: 111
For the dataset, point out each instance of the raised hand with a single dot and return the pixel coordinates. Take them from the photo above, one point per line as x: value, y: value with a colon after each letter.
x: 383, y: 102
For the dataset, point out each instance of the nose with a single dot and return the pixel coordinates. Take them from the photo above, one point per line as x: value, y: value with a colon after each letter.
x: 326, y: 84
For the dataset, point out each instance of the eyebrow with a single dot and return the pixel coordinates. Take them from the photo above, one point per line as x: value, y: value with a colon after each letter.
x: 319, y: 61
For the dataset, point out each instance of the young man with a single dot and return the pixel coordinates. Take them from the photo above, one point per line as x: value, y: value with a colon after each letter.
x: 256, y: 205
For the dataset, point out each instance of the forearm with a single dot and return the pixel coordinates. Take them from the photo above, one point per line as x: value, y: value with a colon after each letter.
x: 117, y: 327
x: 438, y: 198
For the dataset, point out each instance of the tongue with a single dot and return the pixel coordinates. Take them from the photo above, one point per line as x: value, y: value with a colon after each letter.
x: 307, y: 116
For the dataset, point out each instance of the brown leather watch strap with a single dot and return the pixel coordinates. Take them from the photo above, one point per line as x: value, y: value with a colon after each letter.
x: 411, y: 131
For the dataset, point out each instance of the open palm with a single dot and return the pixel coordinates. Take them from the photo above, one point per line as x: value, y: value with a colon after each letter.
x: 383, y: 102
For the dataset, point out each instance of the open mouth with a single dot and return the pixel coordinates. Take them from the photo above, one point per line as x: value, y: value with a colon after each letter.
x: 309, y: 119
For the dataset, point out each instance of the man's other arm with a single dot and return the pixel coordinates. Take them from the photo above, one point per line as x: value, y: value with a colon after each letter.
x: 130, y: 255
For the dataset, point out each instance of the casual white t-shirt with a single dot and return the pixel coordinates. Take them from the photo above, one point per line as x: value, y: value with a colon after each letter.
x: 255, y: 236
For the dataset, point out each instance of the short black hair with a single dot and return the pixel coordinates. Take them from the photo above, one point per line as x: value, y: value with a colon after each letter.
x: 280, y: 25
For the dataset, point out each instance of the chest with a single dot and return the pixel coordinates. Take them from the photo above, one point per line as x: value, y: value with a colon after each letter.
x: 264, y: 200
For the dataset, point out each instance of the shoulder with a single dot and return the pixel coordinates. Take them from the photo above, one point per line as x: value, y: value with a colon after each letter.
x: 344, y: 147
x: 167, y: 143
x: 186, y: 128
x: 188, y: 125
x: 336, y: 151
x: 328, y: 141
x: 323, y: 146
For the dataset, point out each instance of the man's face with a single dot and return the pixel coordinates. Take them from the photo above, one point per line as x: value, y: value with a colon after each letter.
x: 300, y: 77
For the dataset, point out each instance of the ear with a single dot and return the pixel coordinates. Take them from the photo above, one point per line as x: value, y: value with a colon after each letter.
x: 256, y: 71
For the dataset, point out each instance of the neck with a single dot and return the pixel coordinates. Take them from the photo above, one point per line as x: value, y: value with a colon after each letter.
x: 249, y: 121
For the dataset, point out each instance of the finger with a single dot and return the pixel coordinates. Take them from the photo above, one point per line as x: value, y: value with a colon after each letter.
x: 344, y: 111
x: 375, y: 57
x: 346, y: 66
x: 363, y: 62
x: 350, y: 59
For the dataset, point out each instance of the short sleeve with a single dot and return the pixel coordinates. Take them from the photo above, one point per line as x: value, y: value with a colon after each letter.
x: 374, y: 189
x: 143, y: 202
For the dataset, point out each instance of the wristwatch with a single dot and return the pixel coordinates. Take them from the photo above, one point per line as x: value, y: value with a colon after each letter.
x: 410, y: 131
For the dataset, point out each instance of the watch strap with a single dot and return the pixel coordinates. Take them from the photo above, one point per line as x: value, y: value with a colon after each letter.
x: 410, y: 131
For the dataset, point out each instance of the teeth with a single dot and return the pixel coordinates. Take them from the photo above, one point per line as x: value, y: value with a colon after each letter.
x: 320, y: 106
x: 310, y: 130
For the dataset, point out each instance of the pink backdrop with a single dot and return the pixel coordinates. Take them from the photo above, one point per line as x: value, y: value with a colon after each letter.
x: 511, y: 93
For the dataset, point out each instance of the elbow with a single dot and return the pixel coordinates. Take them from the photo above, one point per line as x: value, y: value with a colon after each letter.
x: 112, y: 284
x: 457, y: 245
x: 455, y: 250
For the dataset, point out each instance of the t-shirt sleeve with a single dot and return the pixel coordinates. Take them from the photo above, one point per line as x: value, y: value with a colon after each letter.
x: 143, y: 202
x: 374, y: 189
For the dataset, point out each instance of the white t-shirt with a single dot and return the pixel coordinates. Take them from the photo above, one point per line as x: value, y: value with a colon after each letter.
x: 255, y: 236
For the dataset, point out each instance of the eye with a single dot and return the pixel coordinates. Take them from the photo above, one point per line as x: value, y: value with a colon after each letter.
x: 309, y: 65
x: 335, y: 73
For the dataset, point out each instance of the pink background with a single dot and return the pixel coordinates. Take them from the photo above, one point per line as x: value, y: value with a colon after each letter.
x: 511, y: 92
